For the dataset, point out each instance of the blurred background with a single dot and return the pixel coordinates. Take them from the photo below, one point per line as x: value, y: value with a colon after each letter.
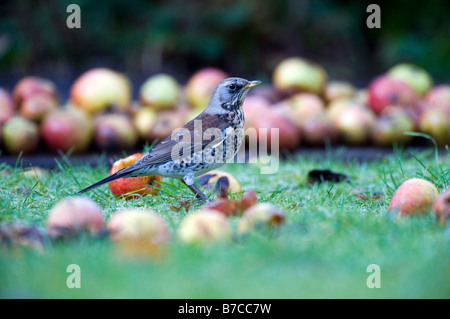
x: 243, y: 37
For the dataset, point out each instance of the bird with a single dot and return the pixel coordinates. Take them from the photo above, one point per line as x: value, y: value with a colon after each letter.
x: 191, y: 150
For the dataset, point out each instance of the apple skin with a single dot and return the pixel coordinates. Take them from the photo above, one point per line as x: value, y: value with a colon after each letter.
x: 414, y: 196
x: 204, y: 227
x: 354, y: 124
x: 201, y: 85
x: 6, y: 106
x: 67, y: 128
x: 137, y: 186
x: 37, y: 106
x: 73, y: 215
x: 390, y: 126
x: 144, y: 120
x: 165, y: 123
x: 136, y: 225
x: 260, y: 215
x: 441, y: 207
x: 337, y: 90
x: 296, y: 74
x: 31, y: 85
x: 419, y: 79
x: 318, y: 128
x: 302, y: 105
x: 254, y: 106
x: 20, y: 135
x: 100, y: 88
x: 289, y: 135
x: 115, y: 131
x: 385, y: 91
x: 160, y: 91
x: 439, y: 97
x: 436, y: 123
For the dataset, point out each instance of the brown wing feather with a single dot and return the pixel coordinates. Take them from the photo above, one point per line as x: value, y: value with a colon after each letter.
x: 162, y: 152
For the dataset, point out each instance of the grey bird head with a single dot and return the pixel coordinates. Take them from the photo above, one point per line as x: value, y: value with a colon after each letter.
x: 229, y: 95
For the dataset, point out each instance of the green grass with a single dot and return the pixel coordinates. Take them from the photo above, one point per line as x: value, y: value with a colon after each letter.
x: 322, y: 251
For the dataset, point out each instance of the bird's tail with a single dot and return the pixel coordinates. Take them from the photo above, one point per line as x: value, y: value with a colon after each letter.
x: 108, y: 179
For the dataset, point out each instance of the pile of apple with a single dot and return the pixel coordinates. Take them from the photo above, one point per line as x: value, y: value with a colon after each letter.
x: 101, y: 114
x: 309, y: 109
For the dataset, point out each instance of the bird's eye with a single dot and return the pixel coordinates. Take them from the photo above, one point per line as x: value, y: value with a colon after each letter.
x: 232, y: 87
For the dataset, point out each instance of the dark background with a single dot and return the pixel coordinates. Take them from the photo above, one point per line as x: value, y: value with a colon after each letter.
x: 244, y: 37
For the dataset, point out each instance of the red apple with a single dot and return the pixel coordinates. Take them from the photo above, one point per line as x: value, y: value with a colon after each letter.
x: 20, y: 135
x: 419, y: 79
x: 289, y: 136
x: 254, y: 106
x: 6, y: 106
x: 385, y: 91
x: 318, y: 128
x: 31, y: 85
x: 115, y: 131
x: 303, y: 105
x: 436, y: 122
x: 66, y: 129
x: 439, y: 97
x: 160, y: 91
x: 441, y: 207
x: 73, y: 215
x: 100, y: 88
x: 414, y: 197
x: 201, y: 85
x: 203, y: 227
x: 132, y: 187
x: 37, y: 106
x: 299, y: 75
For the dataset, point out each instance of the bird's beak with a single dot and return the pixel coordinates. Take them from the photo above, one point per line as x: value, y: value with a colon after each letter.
x: 252, y: 84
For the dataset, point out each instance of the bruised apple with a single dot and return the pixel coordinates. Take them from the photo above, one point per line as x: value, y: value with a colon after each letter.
x: 419, y: 79
x: 115, y: 131
x: 20, y: 135
x: 209, y: 181
x: 260, y: 215
x: 133, y: 187
x: 202, y: 84
x: 436, y: 122
x: 441, y: 207
x: 6, y: 106
x: 385, y: 91
x: 32, y: 85
x: 37, y: 106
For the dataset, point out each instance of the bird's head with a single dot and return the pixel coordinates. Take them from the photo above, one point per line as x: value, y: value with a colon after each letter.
x: 230, y: 93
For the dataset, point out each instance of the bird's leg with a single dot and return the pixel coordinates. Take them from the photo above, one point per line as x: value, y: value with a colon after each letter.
x: 188, y: 180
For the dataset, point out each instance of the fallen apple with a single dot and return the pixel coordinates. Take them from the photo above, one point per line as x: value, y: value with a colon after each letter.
x: 303, y: 105
x: 115, y: 131
x: 135, y: 224
x: 133, y: 187
x: 201, y: 85
x: 390, y: 127
x: 209, y: 181
x: 160, y: 91
x: 441, y: 207
x: 336, y: 90
x: 261, y: 215
x: 165, y: 123
x: 299, y: 75
x: 354, y: 124
x: 439, y: 97
x: 254, y: 106
x: 31, y: 85
x: 436, y: 123
x: 66, y: 129
x: 414, y: 196
x: 318, y: 128
x: 6, y: 106
x: 204, y: 227
x: 20, y: 135
x: 101, y: 88
x: 73, y: 215
x: 419, y: 79
x: 143, y: 120
x: 37, y: 106
x: 385, y: 91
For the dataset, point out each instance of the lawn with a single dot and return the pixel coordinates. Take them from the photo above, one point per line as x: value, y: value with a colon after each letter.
x: 332, y: 233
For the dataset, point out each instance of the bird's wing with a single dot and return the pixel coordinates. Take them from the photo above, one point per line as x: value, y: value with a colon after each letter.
x: 170, y: 148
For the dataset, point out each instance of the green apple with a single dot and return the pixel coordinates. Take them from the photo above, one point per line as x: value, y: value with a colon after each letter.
x: 418, y: 78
